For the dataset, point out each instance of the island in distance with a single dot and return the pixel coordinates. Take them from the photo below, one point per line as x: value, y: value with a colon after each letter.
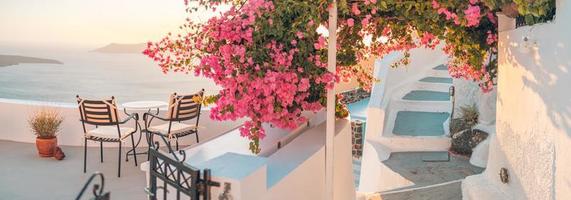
x: 7, y: 60
x: 116, y: 48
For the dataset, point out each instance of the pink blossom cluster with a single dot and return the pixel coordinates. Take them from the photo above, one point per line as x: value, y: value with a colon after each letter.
x: 461, y: 69
x: 364, y: 12
x: 442, y: 10
x: 472, y: 73
x: 492, y: 38
x: 274, y: 90
x: 458, y: 66
x: 471, y: 14
x: 429, y: 40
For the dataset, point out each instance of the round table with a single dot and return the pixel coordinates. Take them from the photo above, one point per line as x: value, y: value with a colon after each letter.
x: 140, y: 107
x: 145, y: 105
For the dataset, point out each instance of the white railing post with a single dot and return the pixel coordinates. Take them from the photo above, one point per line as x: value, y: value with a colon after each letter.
x: 330, y: 131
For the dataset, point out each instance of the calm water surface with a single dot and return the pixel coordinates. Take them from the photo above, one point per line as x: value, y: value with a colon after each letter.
x: 128, y: 77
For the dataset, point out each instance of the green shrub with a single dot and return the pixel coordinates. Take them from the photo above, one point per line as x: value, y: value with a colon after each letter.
x: 464, y: 139
x: 457, y: 125
x: 469, y: 115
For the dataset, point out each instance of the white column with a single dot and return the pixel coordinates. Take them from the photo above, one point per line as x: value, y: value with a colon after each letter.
x: 330, y: 131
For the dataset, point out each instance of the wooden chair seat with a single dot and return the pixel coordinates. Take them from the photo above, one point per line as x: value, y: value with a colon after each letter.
x: 176, y: 128
x: 109, y: 133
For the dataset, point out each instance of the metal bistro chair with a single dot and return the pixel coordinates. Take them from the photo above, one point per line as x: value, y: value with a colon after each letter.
x: 103, y: 115
x: 181, y: 108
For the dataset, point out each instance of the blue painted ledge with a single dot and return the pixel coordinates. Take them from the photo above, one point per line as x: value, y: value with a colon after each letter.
x: 233, y: 166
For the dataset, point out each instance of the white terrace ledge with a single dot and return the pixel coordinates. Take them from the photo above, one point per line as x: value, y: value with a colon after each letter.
x: 294, y: 171
x: 17, y: 112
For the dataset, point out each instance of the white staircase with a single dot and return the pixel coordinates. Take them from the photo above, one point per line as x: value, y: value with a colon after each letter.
x: 417, y: 113
x: 411, y: 116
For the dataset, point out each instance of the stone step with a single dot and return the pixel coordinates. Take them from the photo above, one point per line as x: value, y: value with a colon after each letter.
x: 431, y: 79
x: 439, y: 73
x: 441, y: 67
x: 416, y: 144
x: 415, y: 123
x: 440, y: 87
x: 427, y: 95
x: 357, y: 171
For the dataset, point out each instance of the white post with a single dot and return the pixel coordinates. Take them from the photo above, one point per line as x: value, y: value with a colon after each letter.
x: 330, y: 129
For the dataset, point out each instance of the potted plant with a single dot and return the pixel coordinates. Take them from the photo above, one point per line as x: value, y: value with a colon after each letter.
x: 45, y: 124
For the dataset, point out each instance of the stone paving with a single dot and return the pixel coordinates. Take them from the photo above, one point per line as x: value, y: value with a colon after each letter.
x: 411, y: 166
x: 446, y: 192
x: 433, y: 180
x: 25, y: 175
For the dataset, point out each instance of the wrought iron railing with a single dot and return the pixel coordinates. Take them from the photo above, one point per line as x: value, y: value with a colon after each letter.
x: 97, y: 190
x: 179, y: 180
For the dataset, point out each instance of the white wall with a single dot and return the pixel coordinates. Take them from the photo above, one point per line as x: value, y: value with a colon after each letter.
x: 307, y: 181
x: 297, y: 168
x: 466, y: 94
x: 534, y: 111
x: 14, y: 126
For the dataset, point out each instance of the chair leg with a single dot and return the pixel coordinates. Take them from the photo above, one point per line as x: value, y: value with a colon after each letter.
x: 196, y: 137
x: 169, y: 147
x: 85, y: 155
x: 134, y: 152
x: 176, y: 141
x: 101, y: 150
x: 119, y: 168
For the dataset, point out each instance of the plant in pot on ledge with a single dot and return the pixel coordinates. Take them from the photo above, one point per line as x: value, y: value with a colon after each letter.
x: 46, y: 123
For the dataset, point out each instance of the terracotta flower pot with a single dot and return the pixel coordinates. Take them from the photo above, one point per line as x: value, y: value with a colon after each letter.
x: 46, y: 146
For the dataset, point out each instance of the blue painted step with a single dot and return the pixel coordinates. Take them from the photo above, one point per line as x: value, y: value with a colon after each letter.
x: 357, y: 171
x: 441, y: 67
x: 358, y: 109
x: 415, y: 123
x: 426, y: 95
x: 436, y: 80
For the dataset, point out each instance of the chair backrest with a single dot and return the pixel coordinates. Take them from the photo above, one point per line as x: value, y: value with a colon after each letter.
x: 184, y: 107
x: 98, y: 112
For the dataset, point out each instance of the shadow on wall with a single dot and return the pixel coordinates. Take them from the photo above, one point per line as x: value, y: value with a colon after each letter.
x: 534, y: 110
x: 548, y: 62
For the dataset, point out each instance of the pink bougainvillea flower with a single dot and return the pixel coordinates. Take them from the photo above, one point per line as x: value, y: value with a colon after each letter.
x: 365, y: 21
x: 274, y: 89
x: 269, y: 79
x: 320, y: 44
x: 355, y: 9
x: 299, y: 35
x: 491, y: 38
x: 293, y: 42
x: 472, y: 15
x: 350, y: 22
x: 435, y: 4
x: 492, y: 18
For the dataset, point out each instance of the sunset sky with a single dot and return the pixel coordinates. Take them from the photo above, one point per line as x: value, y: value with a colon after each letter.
x: 87, y: 23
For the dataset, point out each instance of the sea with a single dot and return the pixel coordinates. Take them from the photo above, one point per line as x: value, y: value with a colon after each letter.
x: 127, y: 77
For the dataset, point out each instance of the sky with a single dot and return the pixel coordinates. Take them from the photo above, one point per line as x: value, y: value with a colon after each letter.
x: 88, y: 22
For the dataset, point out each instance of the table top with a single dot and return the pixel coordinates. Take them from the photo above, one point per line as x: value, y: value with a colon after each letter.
x: 145, y: 105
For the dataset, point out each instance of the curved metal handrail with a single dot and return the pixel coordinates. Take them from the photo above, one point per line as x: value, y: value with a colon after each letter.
x: 97, y: 189
x: 155, y: 145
